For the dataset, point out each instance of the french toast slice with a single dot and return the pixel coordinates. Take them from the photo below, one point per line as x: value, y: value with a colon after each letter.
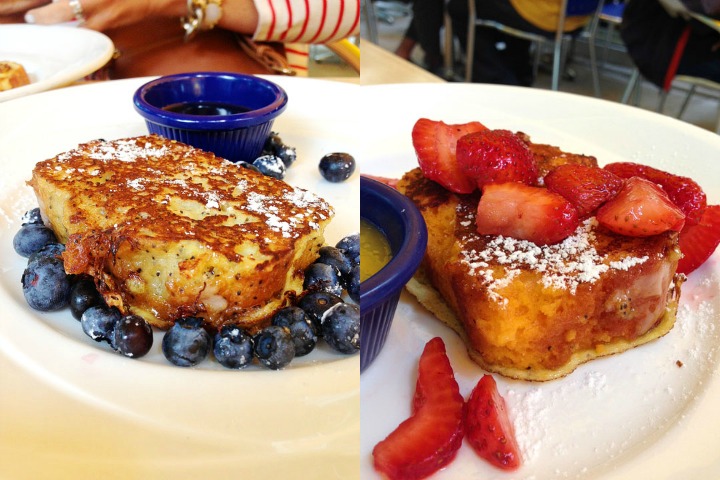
x: 537, y: 312
x: 168, y: 230
x: 12, y: 75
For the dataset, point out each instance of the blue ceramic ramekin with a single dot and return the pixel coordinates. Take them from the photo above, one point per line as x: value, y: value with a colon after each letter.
x: 237, y: 136
x: 404, y: 227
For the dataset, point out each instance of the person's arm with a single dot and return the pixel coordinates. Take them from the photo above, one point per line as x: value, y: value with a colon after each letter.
x: 312, y: 21
x: 301, y: 21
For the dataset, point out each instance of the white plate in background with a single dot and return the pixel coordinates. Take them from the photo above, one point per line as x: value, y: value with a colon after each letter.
x: 52, y: 55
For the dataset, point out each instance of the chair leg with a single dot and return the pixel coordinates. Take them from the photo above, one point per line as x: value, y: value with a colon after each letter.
x: 370, y: 20
x: 448, y: 50
x: 684, y: 105
x: 663, y: 99
x: 633, y: 84
x: 557, y: 64
x: 470, y: 53
x: 594, y: 66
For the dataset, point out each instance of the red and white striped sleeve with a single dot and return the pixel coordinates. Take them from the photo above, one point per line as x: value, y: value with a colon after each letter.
x: 307, y: 21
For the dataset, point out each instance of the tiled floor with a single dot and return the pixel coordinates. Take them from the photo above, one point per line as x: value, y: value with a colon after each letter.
x: 701, y: 111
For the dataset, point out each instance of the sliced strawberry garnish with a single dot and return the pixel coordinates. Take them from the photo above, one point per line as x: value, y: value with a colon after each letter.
x: 496, y: 156
x: 683, y: 191
x: 698, y: 242
x: 488, y: 428
x: 524, y: 212
x: 585, y: 187
x: 435, y: 144
x: 640, y: 209
x: 431, y: 437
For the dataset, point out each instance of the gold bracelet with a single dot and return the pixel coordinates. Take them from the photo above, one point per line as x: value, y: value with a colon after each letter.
x: 202, y: 15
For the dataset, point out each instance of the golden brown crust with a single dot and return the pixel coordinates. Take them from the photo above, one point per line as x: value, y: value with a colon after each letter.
x: 168, y: 231
x: 536, y: 313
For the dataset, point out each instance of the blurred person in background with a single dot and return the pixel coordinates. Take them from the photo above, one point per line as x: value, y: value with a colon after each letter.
x: 424, y: 30
x: 502, y: 58
x: 160, y: 37
x: 651, y: 30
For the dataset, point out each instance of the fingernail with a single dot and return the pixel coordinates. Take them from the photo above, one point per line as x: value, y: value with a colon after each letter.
x: 29, y: 18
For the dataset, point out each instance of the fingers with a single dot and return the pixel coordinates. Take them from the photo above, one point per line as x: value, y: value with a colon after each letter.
x: 56, y: 12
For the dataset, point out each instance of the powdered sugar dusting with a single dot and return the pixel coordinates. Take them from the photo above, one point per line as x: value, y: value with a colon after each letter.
x: 270, y: 206
x: 563, y: 266
x: 123, y: 150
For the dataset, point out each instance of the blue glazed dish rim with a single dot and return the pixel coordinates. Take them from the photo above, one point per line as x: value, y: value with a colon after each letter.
x: 167, y: 119
x: 406, y: 258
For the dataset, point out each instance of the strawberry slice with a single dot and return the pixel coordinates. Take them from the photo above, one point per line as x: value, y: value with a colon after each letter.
x: 585, y: 187
x: 526, y: 213
x: 431, y: 437
x: 683, y: 191
x: 435, y: 143
x: 488, y: 428
x: 640, y: 209
x: 390, y: 182
x: 698, y: 242
x: 496, y: 156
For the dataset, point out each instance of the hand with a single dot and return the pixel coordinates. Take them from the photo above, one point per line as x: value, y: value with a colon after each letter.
x: 675, y: 8
x: 105, y: 14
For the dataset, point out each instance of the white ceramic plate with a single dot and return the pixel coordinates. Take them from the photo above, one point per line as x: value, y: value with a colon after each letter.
x: 635, y: 415
x: 146, y: 418
x: 52, y: 56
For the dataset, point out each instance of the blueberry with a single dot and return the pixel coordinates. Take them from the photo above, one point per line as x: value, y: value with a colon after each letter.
x: 352, y: 283
x: 287, y: 154
x: 133, y: 336
x: 341, y: 327
x: 233, y: 348
x: 301, y: 328
x: 98, y: 323
x: 31, y: 238
x: 273, y: 143
x: 247, y: 165
x: 32, y: 216
x: 320, y: 276
x: 335, y: 257
x: 350, y: 245
x: 337, y: 167
x: 45, y: 284
x: 50, y: 250
x: 187, y: 343
x: 271, y: 166
x: 274, y: 347
x: 314, y: 304
x: 84, y: 295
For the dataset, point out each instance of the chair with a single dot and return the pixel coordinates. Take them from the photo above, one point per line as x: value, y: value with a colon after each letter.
x: 347, y: 51
x: 611, y: 15
x: 381, y: 11
x: 672, y: 79
x: 567, y: 8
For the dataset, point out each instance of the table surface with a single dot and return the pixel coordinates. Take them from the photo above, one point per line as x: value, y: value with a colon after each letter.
x: 379, y: 66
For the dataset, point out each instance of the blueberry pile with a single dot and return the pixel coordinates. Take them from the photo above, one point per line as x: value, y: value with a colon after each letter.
x: 48, y: 288
x: 276, y: 157
x: 294, y: 331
